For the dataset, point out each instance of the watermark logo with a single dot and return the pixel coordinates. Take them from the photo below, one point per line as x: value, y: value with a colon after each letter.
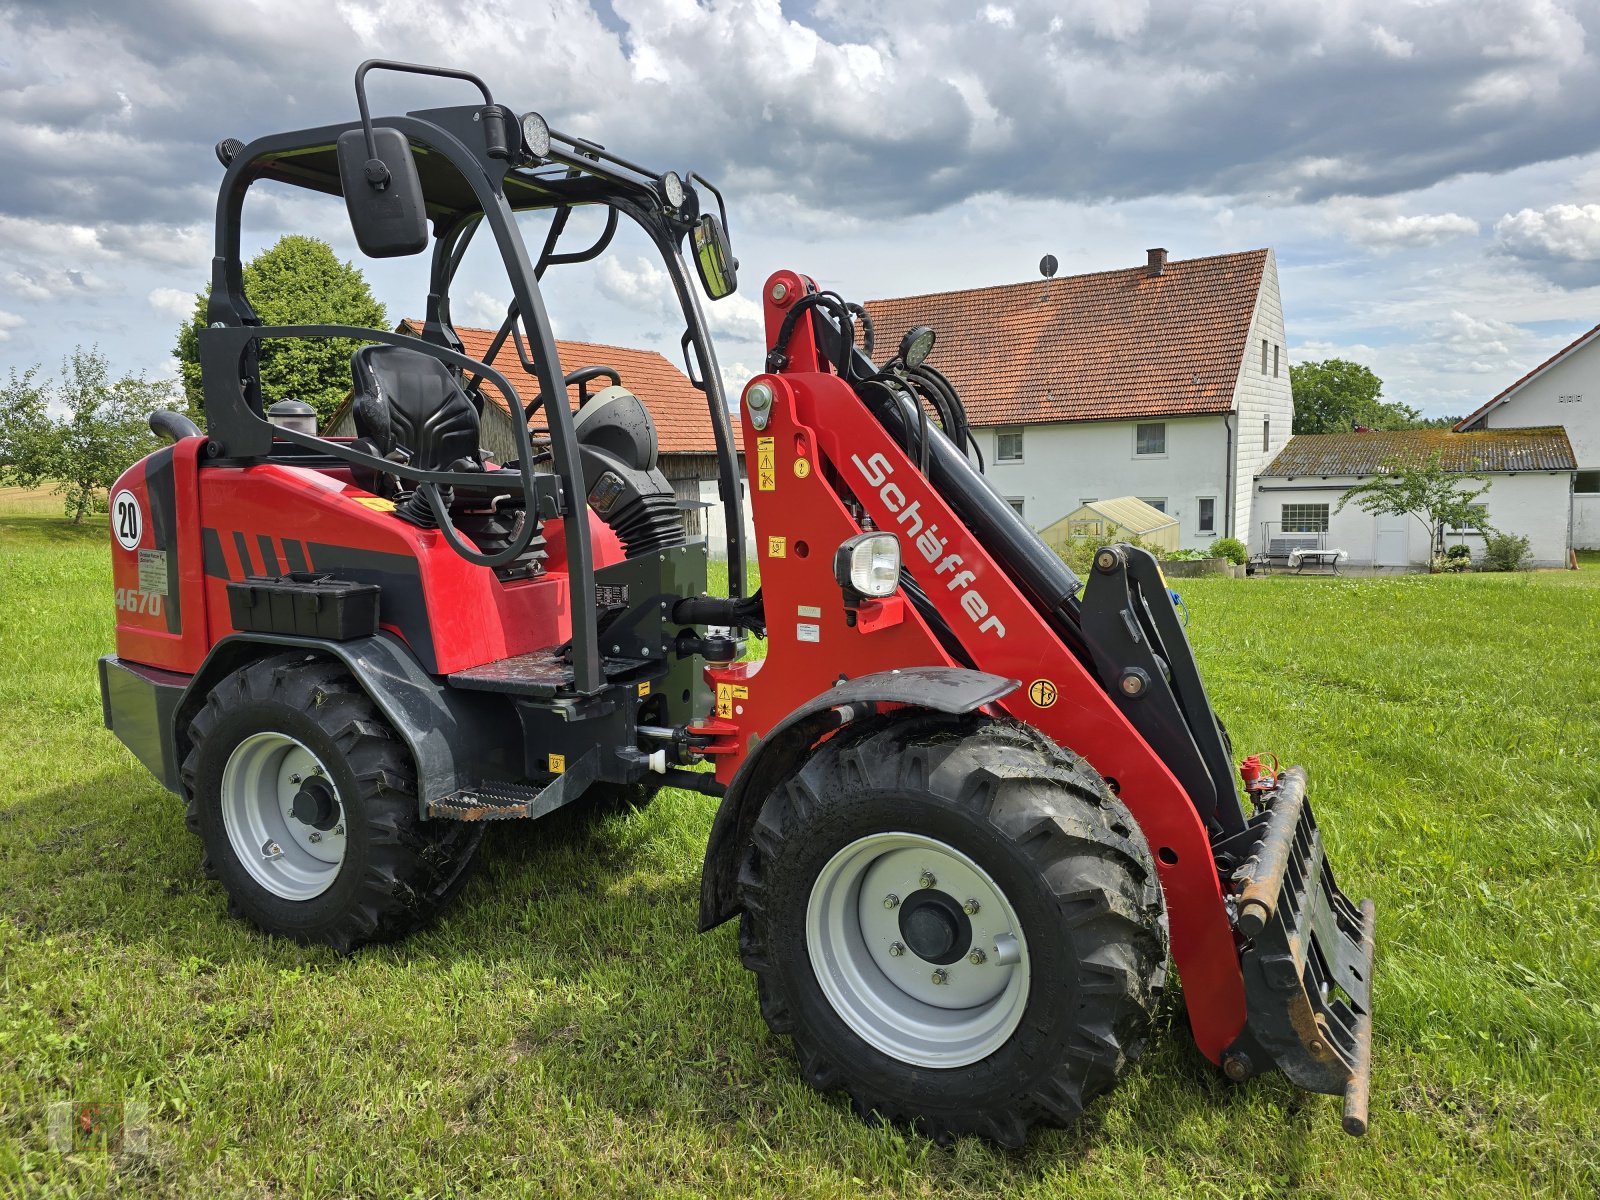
x: 99, y: 1126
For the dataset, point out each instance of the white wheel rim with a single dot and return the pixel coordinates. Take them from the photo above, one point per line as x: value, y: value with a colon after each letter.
x: 292, y: 858
x: 872, y: 973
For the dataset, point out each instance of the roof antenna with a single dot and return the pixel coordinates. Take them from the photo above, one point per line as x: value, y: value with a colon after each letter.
x: 1047, y: 267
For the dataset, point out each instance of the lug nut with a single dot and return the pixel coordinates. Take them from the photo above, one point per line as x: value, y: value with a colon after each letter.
x: 970, y: 908
x: 317, y: 770
x: 896, y: 949
x: 940, y: 975
x: 927, y: 879
x: 338, y: 831
x: 977, y: 957
x: 296, y: 777
x: 891, y: 901
x: 315, y: 836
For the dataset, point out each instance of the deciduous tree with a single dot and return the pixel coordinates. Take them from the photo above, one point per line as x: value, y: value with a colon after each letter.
x: 1335, y: 395
x: 299, y: 281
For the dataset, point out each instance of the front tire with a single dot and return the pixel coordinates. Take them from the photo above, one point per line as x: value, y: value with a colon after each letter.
x: 305, y: 801
x: 956, y: 922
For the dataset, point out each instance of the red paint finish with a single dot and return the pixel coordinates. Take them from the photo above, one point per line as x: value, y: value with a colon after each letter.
x: 818, y: 419
x: 142, y: 633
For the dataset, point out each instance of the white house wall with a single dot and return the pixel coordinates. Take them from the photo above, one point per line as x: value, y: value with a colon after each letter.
x: 1535, y: 504
x: 1540, y: 402
x: 1064, y: 465
x: 1261, y: 396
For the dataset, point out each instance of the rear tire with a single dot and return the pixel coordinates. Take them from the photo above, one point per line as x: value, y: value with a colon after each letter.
x: 358, y: 864
x: 865, y: 963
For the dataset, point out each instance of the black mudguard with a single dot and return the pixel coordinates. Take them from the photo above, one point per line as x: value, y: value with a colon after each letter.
x: 943, y: 689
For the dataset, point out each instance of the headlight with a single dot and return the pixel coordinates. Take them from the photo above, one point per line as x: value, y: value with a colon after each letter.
x: 535, y: 135
x: 869, y: 564
x: 672, y: 189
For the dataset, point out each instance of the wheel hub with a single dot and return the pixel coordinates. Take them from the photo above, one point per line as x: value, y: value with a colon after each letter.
x: 934, y: 927
x: 940, y: 979
x: 283, y: 816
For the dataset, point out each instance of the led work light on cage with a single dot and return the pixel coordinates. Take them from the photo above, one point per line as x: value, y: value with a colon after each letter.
x: 535, y: 135
x: 868, y: 565
x: 672, y: 190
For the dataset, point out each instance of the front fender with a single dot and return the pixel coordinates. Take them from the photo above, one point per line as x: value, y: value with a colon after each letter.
x: 456, y: 739
x: 942, y: 689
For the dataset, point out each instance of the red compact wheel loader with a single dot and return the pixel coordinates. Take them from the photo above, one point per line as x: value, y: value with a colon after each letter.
x: 969, y: 804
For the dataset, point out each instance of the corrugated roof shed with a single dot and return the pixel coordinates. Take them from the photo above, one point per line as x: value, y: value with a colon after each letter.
x: 1131, y: 513
x: 1106, y: 346
x: 1544, y: 448
x: 676, y: 405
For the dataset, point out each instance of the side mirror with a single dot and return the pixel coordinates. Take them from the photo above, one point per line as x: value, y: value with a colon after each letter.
x: 713, y: 258
x: 382, y: 193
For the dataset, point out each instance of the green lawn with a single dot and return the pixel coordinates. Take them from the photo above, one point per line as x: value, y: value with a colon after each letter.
x: 564, y: 1031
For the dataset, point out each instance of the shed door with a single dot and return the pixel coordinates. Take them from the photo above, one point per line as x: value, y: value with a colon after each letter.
x: 1390, y: 540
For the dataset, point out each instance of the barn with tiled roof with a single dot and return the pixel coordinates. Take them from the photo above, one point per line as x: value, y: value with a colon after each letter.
x: 1167, y: 381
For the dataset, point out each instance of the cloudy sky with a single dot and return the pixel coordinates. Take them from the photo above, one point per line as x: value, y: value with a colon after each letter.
x: 1428, y: 171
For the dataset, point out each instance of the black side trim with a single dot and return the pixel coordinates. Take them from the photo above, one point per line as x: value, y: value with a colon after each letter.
x: 160, y: 485
x: 400, y: 577
x: 269, y: 557
x: 295, y: 553
x: 216, y: 566
x: 246, y: 563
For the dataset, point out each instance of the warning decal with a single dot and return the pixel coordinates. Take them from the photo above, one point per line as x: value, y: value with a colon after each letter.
x: 766, y: 464
x: 727, y: 693
x: 777, y: 547
x: 1042, y: 692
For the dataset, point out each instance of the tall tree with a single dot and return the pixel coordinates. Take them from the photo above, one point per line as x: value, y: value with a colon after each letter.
x: 101, y: 433
x: 1438, y: 499
x: 1335, y: 395
x: 298, y: 282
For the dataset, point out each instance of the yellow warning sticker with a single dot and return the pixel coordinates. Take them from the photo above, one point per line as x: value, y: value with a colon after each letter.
x: 376, y: 503
x: 727, y: 693
x: 777, y: 547
x: 802, y: 467
x: 644, y: 688
x: 766, y: 464
x: 558, y: 763
x: 1043, y: 693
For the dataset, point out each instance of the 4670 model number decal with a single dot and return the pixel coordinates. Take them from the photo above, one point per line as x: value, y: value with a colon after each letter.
x: 134, y: 601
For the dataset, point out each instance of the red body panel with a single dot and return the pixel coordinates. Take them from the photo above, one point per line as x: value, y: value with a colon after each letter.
x: 819, y: 431
x: 270, y: 518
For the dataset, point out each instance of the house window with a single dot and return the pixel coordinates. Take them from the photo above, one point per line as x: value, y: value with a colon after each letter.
x: 1150, y: 438
x: 1207, y: 506
x: 1159, y: 503
x: 1016, y: 504
x: 1586, y: 481
x: 1008, y: 445
x: 1275, y: 351
x: 1266, y: 433
x: 1305, y: 518
x: 1263, y: 356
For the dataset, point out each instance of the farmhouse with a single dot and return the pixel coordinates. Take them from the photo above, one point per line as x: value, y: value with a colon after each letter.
x: 683, y: 422
x: 1563, y: 390
x: 1167, y: 381
x: 1529, y: 472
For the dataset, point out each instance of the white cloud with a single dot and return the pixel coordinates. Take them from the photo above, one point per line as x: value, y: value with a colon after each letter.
x: 1562, y: 231
x: 8, y: 322
x: 172, y: 302
x: 1383, y: 228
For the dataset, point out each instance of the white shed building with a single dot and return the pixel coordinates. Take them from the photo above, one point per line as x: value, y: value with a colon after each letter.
x: 1563, y: 390
x: 1529, y: 473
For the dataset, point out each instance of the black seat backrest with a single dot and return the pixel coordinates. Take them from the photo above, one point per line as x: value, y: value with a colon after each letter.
x: 411, y: 399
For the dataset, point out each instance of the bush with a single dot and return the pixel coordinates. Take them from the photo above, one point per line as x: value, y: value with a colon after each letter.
x: 1456, y: 558
x: 1188, y: 555
x: 1231, y: 549
x: 1505, y: 552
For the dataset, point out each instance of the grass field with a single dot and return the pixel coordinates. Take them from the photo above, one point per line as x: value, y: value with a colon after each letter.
x: 565, y: 1032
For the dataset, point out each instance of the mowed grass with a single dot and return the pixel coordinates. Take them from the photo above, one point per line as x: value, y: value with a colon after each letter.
x: 564, y: 1031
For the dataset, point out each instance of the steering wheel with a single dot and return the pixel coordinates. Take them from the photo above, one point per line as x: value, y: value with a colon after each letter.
x: 579, y: 379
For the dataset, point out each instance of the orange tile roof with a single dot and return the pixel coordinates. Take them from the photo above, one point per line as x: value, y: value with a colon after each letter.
x: 679, y: 410
x: 1467, y: 421
x: 1106, y: 346
x: 1541, y: 448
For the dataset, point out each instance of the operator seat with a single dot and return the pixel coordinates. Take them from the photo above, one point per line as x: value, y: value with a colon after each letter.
x: 405, y: 398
